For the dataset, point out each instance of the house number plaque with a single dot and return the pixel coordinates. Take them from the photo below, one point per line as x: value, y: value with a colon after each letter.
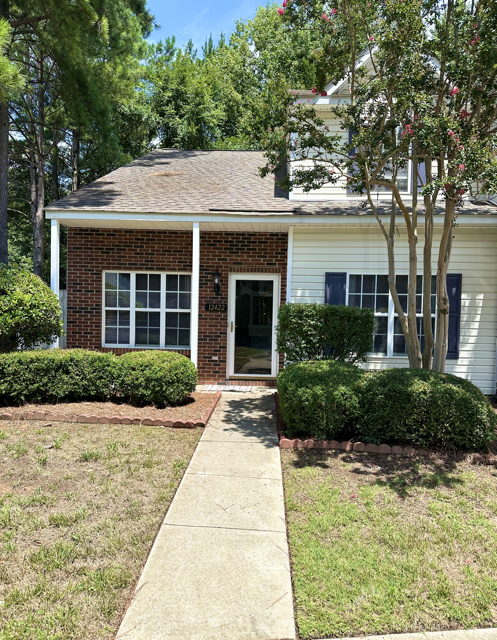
x: 216, y: 306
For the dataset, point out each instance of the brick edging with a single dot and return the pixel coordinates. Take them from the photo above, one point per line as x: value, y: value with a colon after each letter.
x: 313, y: 443
x: 91, y: 419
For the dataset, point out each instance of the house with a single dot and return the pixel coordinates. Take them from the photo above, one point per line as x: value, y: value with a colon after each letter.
x: 192, y: 251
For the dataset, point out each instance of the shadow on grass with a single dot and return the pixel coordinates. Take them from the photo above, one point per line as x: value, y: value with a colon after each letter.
x: 399, y: 474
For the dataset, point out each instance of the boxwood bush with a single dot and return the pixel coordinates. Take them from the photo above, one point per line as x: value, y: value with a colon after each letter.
x: 319, y: 399
x: 56, y: 375
x: 330, y: 399
x: 324, y: 332
x: 424, y: 408
x: 160, y: 378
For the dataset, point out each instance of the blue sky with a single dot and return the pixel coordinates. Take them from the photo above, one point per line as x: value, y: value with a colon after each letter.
x: 197, y: 19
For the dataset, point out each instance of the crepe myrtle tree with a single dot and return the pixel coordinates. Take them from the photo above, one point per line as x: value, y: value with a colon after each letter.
x: 422, y: 78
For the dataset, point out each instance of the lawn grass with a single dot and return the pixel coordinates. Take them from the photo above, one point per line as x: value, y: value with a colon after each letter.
x: 80, y: 507
x: 386, y: 544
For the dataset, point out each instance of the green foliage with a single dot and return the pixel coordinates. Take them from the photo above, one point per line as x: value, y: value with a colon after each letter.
x: 330, y: 399
x: 10, y: 78
x: 424, y: 408
x: 57, y: 375
x: 29, y: 310
x: 323, y: 332
x: 319, y: 399
x: 160, y: 378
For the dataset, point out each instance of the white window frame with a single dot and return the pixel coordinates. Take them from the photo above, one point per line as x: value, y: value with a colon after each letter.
x: 391, y: 315
x: 132, y: 309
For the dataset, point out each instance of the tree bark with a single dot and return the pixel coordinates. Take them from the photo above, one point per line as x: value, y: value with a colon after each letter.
x: 442, y: 332
x: 75, y: 160
x: 4, y: 161
x: 412, y: 344
x: 38, y: 178
x: 4, y: 173
x: 427, y: 272
x: 55, y: 172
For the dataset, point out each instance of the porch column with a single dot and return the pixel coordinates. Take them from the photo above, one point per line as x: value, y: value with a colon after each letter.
x: 195, y: 293
x: 55, y: 262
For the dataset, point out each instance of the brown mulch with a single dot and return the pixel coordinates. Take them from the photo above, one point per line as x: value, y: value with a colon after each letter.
x: 194, y: 409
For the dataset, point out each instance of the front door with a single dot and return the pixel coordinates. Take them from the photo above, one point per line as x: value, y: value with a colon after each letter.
x: 253, y: 306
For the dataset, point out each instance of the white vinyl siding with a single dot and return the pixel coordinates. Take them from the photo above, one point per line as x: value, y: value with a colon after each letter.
x: 363, y: 250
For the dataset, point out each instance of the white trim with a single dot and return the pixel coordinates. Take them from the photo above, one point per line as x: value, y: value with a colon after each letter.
x: 290, y: 219
x: 289, y: 265
x: 55, y: 263
x: 230, y: 362
x: 194, y: 305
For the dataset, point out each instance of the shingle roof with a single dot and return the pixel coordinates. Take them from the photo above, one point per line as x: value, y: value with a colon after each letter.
x: 180, y: 181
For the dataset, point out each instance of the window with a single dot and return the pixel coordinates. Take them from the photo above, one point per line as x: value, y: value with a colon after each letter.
x: 147, y: 310
x: 371, y: 292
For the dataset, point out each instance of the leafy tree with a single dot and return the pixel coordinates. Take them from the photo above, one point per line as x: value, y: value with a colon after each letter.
x: 29, y: 310
x: 427, y: 96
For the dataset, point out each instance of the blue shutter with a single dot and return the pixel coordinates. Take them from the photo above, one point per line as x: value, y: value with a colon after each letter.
x: 335, y: 288
x: 454, y: 282
x: 422, y: 175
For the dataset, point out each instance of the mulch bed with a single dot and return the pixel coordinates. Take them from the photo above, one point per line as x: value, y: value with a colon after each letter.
x: 194, y: 412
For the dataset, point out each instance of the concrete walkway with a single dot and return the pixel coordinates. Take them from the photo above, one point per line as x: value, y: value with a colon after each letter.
x: 219, y: 568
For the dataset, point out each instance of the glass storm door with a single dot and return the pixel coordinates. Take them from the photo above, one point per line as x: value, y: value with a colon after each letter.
x: 253, y: 308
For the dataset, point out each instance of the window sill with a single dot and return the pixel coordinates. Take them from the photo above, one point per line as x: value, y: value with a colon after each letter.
x: 139, y: 346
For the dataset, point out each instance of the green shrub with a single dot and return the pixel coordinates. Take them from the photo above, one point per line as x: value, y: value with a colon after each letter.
x: 29, y: 310
x: 56, y: 375
x: 160, y: 378
x: 324, y: 332
x: 318, y: 399
x: 424, y: 408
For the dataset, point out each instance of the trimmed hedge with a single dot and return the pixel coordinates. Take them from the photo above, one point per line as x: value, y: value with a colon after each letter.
x: 56, y: 375
x: 158, y: 378
x: 324, y: 332
x: 319, y: 398
x: 327, y: 400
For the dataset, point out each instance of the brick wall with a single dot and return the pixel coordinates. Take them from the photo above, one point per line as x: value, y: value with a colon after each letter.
x: 91, y: 251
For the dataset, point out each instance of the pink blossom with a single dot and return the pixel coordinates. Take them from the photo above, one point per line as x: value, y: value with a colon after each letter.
x: 371, y: 38
x: 333, y: 11
x: 407, y: 131
x: 461, y: 192
x: 447, y: 187
x: 285, y: 3
x: 454, y: 91
x: 324, y: 93
x: 461, y: 167
x: 451, y: 133
x: 464, y: 114
x: 281, y: 11
x: 325, y: 17
x: 353, y: 495
x: 314, y: 90
x: 308, y: 99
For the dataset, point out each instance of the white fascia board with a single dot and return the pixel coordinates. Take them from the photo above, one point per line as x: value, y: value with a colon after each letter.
x: 291, y: 219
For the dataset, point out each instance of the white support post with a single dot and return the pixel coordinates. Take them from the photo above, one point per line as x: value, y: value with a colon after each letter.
x: 55, y: 262
x: 195, y: 293
x: 289, y: 263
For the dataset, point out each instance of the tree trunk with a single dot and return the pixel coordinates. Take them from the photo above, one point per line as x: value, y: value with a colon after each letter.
x: 4, y: 173
x: 37, y: 213
x: 75, y: 160
x: 442, y: 333
x: 427, y: 253
x: 55, y: 172
x: 412, y: 342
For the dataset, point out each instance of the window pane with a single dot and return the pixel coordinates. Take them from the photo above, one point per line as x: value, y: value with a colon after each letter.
x: 154, y: 300
x: 368, y: 302
x: 123, y: 336
x: 154, y: 337
x: 154, y: 282
x: 380, y: 344
x: 141, y: 281
x: 123, y: 300
x: 172, y: 320
x: 401, y: 283
x: 397, y: 328
x: 419, y: 303
x: 184, y: 320
x: 184, y: 337
x: 382, y: 284
x: 154, y: 319
x: 124, y: 281
x: 184, y: 300
x: 355, y: 284
x: 381, y: 304
x: 185, y: 283
x: 419, y: 284
x: 171, y: 283
x: 433, y: 284
x: 171, y: 300
x: 354, y: 301
x: 171, y: 337
x: 368, y: 284
x: 111, y: 298
x: 141, y: 319
x: 399, y: 345
x: 111, y: 335
x: 124, y: 318
x: 111, y: 280
x: 140, y: 336
x: 433, y: 303
x: 403, y: 303
x: 111, y: 318
x: 381, y: 325
x: 141, y: 300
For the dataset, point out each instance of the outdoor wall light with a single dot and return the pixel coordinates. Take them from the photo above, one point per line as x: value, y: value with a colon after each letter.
x: 217, y: 279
